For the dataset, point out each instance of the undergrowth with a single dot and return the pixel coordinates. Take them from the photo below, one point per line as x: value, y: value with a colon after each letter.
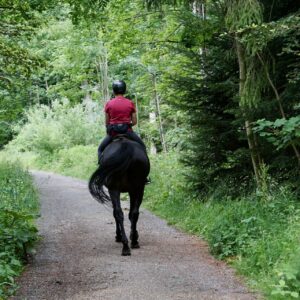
x: 257, y: 234
x: 18, y: 211
x: 62, y: 138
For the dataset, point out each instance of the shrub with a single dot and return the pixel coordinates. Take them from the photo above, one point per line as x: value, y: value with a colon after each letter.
x: 79, y: 161
x: 49, y: 129
x: 18, y: 210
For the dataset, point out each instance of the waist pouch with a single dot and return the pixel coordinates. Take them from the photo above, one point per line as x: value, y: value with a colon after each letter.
x: 118, y: 128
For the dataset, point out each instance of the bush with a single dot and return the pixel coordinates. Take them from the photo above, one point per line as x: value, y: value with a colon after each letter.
x: 18, y: 210
x: 62, y: 126
x: 78, y: 161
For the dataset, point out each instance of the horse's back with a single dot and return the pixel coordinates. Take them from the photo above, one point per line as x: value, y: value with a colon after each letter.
x: 128, y: 147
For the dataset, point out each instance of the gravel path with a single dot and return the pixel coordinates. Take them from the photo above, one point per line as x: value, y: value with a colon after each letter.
x: 78, y: 259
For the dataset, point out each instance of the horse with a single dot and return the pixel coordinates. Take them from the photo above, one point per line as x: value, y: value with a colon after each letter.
x: 124, y: 167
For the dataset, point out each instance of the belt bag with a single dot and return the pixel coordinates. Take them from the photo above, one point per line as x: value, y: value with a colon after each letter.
x: 118, y: 128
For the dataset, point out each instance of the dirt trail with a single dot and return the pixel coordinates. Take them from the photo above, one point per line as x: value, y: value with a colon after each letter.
x: 78, y: 259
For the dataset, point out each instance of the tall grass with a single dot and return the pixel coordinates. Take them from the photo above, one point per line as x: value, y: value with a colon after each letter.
x: 18, y: 211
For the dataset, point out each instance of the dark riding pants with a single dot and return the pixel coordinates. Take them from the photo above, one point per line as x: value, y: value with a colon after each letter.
x: 131, y: 135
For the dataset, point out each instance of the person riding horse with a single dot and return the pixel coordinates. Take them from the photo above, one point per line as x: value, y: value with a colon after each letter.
x: 123, y: 166
x: 120, y: 116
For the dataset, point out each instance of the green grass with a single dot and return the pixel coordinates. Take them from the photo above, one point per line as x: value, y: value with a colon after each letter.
x: 18, y: 211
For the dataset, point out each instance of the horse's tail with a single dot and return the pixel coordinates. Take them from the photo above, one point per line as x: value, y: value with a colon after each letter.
x: 116, y: 165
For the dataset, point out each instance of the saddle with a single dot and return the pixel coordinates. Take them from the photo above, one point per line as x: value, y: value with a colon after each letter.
x: 121, y: 136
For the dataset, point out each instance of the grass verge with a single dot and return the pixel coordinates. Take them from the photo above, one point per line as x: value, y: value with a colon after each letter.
x: 18, y: 211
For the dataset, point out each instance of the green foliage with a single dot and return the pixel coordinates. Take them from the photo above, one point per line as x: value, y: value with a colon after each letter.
x: 245, y: 224
x: 86, y: 9
x: 257, y: 234
x: 43, y: 57
x: 18, y: 210
x: 242, y: 13
x: 73, y: 58
x: 78, y: 161
x: 281, y: 133
x: 51, y: 129
x: 18, y: 22
x: 62, y: 138
x: 257, y: 36
x: 288, y: 280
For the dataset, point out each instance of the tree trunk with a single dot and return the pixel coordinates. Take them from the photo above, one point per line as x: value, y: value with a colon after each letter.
x: 199, y: 9
x: 137, y: 113
x: 157, y: 105
x: 102, y: 72
x: 249, y: 132
x: 152, y: 119
x: 105, y: 77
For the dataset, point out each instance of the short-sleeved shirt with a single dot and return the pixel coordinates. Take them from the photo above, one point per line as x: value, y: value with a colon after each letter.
x: 119, y: 110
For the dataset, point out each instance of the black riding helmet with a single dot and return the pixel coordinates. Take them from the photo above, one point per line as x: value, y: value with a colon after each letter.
x: 119, y: 87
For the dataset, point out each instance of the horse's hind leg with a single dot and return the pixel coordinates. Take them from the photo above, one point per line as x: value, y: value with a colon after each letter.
x: 136, y: 198
x: 119, y: 217
x: 118, y: 232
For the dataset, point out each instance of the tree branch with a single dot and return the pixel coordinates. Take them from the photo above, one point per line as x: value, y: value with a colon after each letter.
x: 156, y: 42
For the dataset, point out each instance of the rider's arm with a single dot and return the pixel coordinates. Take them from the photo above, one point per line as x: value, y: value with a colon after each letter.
x: 106, y: 118
x: 133, y: 119
x: 106, y: 110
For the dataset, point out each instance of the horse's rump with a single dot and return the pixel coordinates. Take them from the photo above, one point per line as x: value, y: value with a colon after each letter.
x: 123, y: 166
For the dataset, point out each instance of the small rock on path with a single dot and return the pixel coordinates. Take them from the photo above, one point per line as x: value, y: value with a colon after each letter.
x: 77, y: 257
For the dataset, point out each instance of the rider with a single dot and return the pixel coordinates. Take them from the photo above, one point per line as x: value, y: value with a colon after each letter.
x: 120, y: 116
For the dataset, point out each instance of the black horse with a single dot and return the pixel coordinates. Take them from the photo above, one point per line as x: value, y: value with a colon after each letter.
x: 124, y: 167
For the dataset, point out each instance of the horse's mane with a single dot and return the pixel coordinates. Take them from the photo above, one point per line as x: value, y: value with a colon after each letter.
x: 115, y: 165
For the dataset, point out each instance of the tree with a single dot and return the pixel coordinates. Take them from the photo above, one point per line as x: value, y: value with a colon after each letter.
x: 17, y: 24
x: 231, y: 23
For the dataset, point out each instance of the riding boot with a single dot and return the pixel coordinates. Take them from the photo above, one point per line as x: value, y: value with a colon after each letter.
x: 102, y: 146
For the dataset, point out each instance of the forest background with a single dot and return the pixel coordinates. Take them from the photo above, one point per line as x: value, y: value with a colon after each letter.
x: 217, y: 87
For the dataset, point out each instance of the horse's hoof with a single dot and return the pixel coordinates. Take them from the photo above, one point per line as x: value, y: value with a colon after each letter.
x: 126, y: 252
x: 135, y: 245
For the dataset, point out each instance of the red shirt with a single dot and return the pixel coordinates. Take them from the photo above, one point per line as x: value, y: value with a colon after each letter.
x: 119, y: 110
